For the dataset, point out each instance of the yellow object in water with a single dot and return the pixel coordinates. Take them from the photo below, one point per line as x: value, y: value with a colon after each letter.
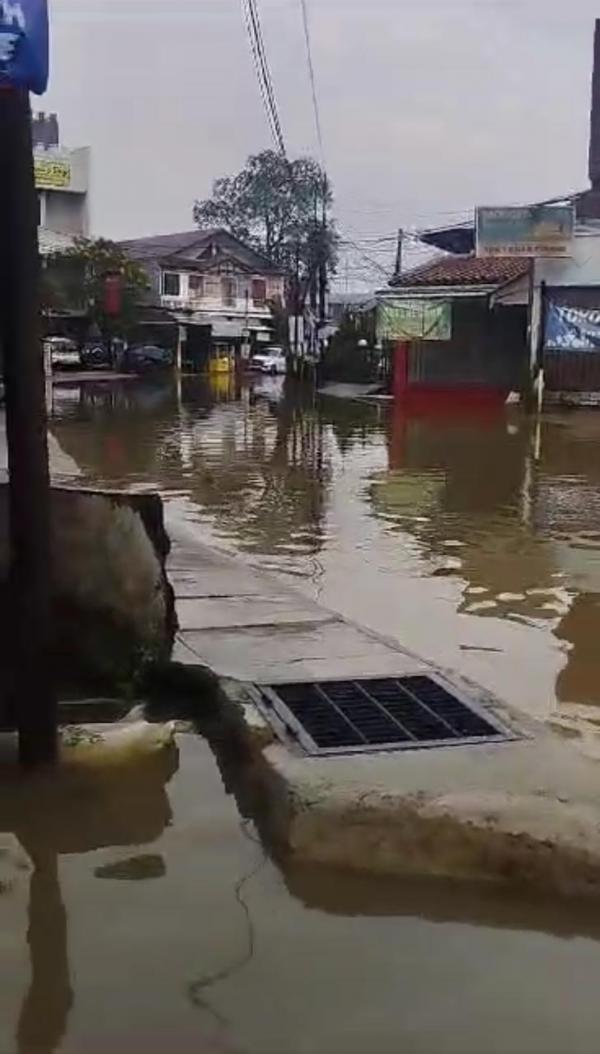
x: 221, y: 365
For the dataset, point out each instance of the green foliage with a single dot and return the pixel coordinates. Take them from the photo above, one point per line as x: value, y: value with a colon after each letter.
x: 74, y: 280
x: 279, y: 207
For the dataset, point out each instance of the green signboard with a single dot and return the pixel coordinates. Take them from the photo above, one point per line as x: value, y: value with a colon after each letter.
x: 415, y: 319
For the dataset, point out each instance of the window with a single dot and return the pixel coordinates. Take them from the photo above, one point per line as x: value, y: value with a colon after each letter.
x: 228, y: 291
x: 171, y: 284
x: 196, y: 285
x: 259, y: 292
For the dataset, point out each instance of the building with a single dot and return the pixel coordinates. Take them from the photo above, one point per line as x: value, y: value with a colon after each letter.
x: 222, y: 292
x: 62, y: 178
x: 486, y: 356
x: 571, y: 369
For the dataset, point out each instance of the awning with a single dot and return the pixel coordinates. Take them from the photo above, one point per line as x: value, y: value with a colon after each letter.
x: 230, y: 329
x: 221, y: 328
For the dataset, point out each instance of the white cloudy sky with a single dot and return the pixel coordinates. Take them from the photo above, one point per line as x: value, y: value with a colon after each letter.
x: 428, y: 106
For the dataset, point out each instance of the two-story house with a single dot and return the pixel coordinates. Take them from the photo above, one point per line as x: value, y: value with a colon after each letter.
x: 222, y: 291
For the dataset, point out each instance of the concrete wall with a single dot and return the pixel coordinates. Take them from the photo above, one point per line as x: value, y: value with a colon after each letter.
x: 64, y: 212
x: 114, y: 607
x: 212, y: 299
x: 64, y: 203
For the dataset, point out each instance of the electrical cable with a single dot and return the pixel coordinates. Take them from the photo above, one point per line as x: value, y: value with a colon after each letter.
x: 257, y: 66
x: 253, y: 4
x: 313, y: 83
x: 263, y: 72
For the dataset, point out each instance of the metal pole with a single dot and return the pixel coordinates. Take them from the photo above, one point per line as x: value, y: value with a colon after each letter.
x: 29, y: 486
x: 399, y: 247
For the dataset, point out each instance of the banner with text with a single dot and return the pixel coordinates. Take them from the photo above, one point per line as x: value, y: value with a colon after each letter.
x: 51, y: 173
x: 542, y: 231
x: 414, y: 320
x: 572, y: 328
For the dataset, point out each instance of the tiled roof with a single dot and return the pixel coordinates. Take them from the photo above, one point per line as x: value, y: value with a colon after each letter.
x: 464, y: 270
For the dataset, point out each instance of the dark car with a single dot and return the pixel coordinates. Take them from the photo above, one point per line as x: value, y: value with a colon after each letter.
x: 147, y: 356
x: 95, y: 354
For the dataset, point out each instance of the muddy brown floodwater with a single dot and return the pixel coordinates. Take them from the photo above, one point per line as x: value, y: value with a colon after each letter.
x: 474, y: 539
x: 155, y: 920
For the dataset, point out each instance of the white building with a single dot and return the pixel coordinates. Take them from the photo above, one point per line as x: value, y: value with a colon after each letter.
x: 62, y: 178
x: 220, y: 289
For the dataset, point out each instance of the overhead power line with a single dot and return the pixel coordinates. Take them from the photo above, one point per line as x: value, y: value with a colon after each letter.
x: 263, y: 72
x: 257, y: 66
x: 313, y: 83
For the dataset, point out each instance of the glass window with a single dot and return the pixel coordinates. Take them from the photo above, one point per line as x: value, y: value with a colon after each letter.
x: 259, y: 291
x: 171, y: 284
x: 228, y: 291
x: 196, y: 285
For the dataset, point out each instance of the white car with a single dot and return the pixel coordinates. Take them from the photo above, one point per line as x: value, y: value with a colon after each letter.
x: 271, y: 360
x: 64, y: 353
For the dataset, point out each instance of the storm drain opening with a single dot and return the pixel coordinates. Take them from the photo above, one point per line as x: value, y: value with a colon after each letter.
x: 384, y: 713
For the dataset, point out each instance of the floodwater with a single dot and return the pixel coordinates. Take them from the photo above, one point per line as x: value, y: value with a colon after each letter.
x: 472, y: 538
x: 157, y: 917
x: 155, y: 921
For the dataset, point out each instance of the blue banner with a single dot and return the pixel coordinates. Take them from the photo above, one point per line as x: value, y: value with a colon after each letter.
x: 24, y: 44
x: 572, y: 328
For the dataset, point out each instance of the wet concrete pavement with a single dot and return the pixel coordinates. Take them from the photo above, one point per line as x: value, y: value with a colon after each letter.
x: 249, y: 625
x: 521, y: 812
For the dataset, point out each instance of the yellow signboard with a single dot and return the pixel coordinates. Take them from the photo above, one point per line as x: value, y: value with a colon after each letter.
x: 51, y: 173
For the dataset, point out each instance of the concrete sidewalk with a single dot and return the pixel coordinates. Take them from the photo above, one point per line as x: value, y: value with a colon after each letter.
x: 249, y: 625
x: 526, y: 810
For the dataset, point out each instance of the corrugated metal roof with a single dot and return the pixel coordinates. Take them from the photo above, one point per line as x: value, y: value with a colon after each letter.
x: 53, y: 241
x: 467, y: 270
x: 165, y: 244
x: 185, y: 248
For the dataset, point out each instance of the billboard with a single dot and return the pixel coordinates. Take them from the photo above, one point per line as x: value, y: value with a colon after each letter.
x: 24, y: 44
x: 406, y: 319
x: 542, y: 231
x: 51, y: 173
x: 572, y: 328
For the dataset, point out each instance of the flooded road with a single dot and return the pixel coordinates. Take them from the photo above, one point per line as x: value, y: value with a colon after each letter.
x: 155, y: 921
x: 473, y: 539
x: 153, y: 915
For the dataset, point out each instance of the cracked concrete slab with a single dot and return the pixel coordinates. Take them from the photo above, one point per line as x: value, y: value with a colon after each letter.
x: 296, y: 651
x: 235, y: 612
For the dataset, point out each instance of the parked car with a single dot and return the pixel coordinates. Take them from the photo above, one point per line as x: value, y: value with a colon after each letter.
x: 147, y: 356
x: 64, y: 353
x: 272, y: 360
x: 95, y: 353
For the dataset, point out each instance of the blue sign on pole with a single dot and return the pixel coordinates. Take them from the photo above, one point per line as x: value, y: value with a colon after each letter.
x: 24, y: 44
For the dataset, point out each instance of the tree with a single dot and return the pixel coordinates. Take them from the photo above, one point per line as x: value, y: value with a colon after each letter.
x: 76, y: 280
x: 280, y: 208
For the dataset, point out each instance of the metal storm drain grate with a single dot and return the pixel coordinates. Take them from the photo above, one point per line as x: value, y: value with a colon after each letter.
x: 335, y: 717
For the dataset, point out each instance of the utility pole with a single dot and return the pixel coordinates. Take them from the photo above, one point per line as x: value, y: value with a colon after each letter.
x: 323, y: 258
x: 29, y: 485
x: 398, y: 267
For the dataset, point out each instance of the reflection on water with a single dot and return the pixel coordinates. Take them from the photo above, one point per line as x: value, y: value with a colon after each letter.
x: 199, y: 944
x: 448, y: 532
x: 72, y: 814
